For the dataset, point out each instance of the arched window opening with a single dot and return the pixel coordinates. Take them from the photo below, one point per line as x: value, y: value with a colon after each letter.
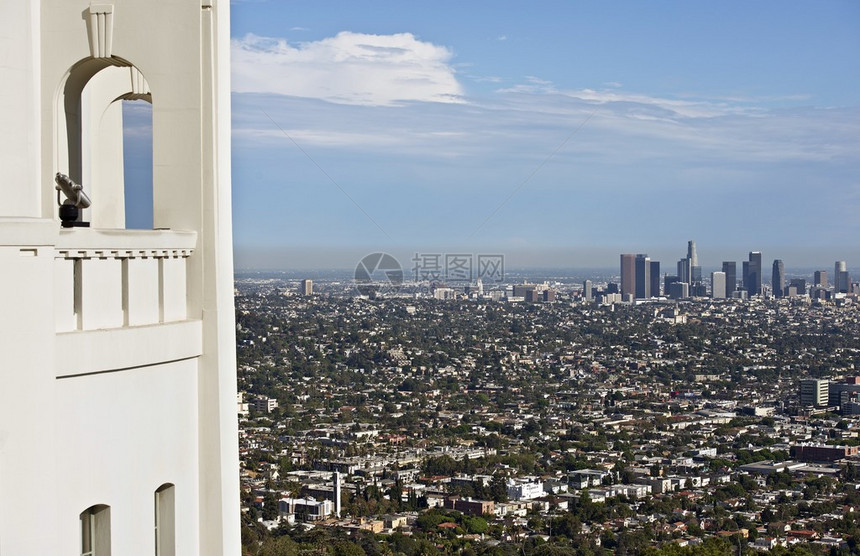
x: 92, y: 137
x: 95, y: 531
x: 165, y: 521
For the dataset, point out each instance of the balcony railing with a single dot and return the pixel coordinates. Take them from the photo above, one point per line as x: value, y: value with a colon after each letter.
x: 107, y: 279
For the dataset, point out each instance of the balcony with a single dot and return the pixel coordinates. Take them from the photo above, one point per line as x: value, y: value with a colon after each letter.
x: 117, y: 278
x: 120, y: 299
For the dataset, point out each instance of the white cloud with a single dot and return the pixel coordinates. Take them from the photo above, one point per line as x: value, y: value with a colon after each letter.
x: 350, y: 68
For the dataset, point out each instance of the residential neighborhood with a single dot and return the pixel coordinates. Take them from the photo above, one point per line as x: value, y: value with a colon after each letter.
x: 411, y: 424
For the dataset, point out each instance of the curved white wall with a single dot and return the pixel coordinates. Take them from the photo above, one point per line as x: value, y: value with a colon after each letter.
x: 125, y: 434
x: 103, y: 409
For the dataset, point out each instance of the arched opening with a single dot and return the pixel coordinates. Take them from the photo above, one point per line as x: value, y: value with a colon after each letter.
x: 165, y: 520
x: 101, y: 143
x: 95, y: 531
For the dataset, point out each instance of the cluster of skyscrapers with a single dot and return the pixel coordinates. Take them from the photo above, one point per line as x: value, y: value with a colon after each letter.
x: 640, y: 279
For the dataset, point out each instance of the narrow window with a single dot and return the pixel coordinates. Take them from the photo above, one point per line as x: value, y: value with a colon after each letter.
x: 165, y: 526
x: 137, y: 163
x: 95, y: 531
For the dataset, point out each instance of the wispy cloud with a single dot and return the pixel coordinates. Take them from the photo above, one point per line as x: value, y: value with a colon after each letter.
x: 485, y: 78
x: 349, y: 68
x: 526, y: 126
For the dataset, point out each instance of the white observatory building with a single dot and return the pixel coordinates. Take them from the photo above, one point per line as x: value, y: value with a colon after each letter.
x: 118, y: 429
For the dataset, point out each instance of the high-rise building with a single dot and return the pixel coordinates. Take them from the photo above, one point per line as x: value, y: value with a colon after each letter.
x: 841, y: 280
x: 778, y: 278
x: 691, y: 253
x: 821, y: 278
x: 307, y: 287
x: 655, y: 278
x: 693, y: 258
x: 588, y: 290
x: 679, y: 290
x: 718, y: 285
x: 752, y: 274
x: 799, y: 285
x: 731, y: 272
x: 628, y: 275
x: 118, y: 398
x: 685, y: 272
x: 843, y: 392
x: 814, y: 392
x: 667, y: 283
x: 643, y: 276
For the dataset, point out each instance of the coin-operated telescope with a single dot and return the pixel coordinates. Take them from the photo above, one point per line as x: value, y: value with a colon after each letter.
x: 76, y: 199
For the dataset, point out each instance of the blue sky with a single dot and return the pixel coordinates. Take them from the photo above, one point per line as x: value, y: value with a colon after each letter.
x: 557, y: 133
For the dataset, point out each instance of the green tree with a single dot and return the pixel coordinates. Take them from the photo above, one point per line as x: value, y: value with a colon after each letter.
x: 270, y: 506
x: 498, y: 489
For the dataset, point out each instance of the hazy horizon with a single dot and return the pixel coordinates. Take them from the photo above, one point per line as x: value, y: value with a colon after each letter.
x: 346, y: 258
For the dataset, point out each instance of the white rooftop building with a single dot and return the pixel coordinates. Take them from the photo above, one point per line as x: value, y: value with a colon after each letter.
x: 524, y: 489
x: 118, y: 373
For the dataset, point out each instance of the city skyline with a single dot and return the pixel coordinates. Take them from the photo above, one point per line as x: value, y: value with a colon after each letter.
x: 639, y: 279
x: 555, y: 134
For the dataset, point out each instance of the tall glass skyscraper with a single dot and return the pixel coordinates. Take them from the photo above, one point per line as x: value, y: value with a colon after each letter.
x: 693, y: 258
x: 731, y: 270
x: 643, y: 276
x: 841, y: 280
x: 752, y: 276
x: 777, y: 279
x: 655, y: 278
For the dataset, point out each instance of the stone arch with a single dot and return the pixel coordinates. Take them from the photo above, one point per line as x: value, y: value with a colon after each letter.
x: 89, y: 142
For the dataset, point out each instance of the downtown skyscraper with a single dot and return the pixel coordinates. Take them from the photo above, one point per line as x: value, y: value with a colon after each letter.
x: 628, y: 275
x: 643, y: 276
x: 820, y: 278
x: 693, y: 258
x: 841, y: 279
x: 777, y: 279
x: 718, y: 285
x: 655, y: 278
x: 752, y: 274
x: 730, y: 268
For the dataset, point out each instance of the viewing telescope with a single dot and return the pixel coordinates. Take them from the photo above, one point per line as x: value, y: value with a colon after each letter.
x: 76, y: 199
